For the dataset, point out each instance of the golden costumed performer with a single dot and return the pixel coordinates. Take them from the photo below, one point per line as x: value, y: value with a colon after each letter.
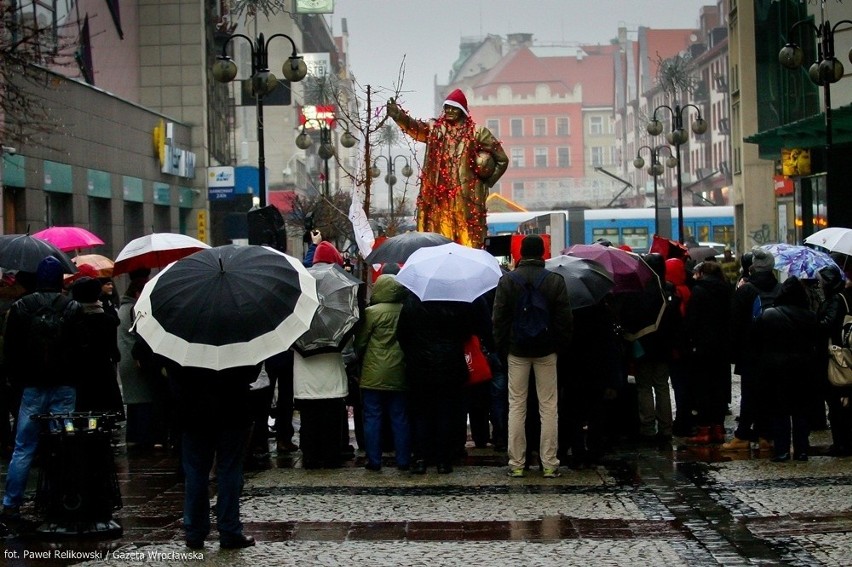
x: 463, y: 161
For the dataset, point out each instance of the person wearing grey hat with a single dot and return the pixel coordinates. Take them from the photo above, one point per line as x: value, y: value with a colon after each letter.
x: 753, y: 425
x: 761, y: 260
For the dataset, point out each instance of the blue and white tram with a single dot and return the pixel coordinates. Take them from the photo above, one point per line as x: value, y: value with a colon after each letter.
x: 634, y: 227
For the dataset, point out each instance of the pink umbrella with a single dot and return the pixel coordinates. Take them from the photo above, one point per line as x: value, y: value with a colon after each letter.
x: 629, y: 270
x: 68, y: 238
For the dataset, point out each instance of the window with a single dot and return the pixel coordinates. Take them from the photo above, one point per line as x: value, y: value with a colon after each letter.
x: 518, y: 157
x: 597, y: 155
x: 563, y: 127
x: 596, y: 125
x: 518, y: 190
x: 494, y: 126
x: 541, y: 157
x: 540, y: 127
x: 563, y: 157
x: 636, y: 237
x: 517, y: 127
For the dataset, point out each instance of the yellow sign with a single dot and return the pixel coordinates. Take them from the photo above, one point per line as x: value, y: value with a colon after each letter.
x: 201, y: 225
x: 795, y: 161
x: 160, y: 141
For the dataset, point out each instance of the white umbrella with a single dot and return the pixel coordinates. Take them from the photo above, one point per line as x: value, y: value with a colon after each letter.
x: 155, y: 250
x: 450, y: 272
x: 833, y: 239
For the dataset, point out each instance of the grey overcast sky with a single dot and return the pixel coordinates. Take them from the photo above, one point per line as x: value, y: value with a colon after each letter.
x: 427, y: 33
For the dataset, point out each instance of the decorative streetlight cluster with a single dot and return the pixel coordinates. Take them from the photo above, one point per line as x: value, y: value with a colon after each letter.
x: 676, y: 137
x: 390, y: 178
x: 326, y: 150
x: 823, y: 72
x: 262, y: 83
x: 655, y: 169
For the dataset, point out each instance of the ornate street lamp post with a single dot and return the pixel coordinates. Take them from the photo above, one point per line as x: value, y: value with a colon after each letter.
x: 655, y: 169
x: 326, y: 150
x: 390, y: 178
x: 823, y: 72
x: 262, y: 83
x: 676, y: 137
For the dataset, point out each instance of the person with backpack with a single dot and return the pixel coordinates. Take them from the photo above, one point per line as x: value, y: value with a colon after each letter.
x: 749, y: 299
x: 38, y: 348
x: 532, y: 324
x: 830, y: 315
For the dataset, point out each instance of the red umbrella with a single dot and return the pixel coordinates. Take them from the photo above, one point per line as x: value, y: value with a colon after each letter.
x: 68, y: 238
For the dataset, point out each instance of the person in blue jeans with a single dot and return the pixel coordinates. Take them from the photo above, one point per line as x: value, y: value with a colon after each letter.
x: 383, y: 384
x: 47, y: 385
x: 216, y: 424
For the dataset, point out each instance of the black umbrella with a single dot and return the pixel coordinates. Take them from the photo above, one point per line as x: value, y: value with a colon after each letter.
x: 397, y: 249
x: 701, y: 253
x: 24, y: 252
x: 227, y: 306
x: 334, y: 321
x: 588, y: 281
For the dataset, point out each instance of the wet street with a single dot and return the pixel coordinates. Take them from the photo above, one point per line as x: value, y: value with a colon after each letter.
x: 680, y: 505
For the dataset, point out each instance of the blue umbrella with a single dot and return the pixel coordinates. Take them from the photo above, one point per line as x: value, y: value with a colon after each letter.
x: 799, y: 261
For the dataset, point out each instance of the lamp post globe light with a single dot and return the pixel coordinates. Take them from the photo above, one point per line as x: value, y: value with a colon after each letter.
x: 390, y: 178
x: 262, y: 83
x: 823, y: 72
x: 326, y: 150
x: 676, y: 137
x: 655, y: 169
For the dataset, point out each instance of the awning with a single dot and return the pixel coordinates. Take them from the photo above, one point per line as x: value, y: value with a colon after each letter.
x: 806, y: 133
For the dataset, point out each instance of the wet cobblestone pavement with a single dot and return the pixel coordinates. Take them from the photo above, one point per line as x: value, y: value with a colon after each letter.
x: 643, y: 506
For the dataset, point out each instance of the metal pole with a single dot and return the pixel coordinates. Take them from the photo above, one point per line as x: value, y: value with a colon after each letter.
x: 261, y: 157
x: 656, y: 201
x: 680, y: 232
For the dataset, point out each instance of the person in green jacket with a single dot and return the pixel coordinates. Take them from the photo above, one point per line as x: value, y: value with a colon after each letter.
x: 383, y: 387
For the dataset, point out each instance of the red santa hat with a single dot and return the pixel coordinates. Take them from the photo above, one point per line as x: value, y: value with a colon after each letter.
x: 457, y: 99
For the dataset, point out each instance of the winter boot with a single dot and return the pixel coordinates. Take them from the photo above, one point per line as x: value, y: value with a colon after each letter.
x: 717, y: 434
x: 702, y: 436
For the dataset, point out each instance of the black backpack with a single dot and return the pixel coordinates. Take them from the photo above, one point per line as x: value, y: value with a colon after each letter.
x: 532, y: 315
x: 47, y: 339
x: 764, y: 300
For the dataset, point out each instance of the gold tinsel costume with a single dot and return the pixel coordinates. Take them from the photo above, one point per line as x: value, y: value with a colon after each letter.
x: 452, y: 196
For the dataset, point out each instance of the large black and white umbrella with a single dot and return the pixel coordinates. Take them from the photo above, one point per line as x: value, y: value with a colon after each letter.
x: 334, y: 321
x: 227, y: 306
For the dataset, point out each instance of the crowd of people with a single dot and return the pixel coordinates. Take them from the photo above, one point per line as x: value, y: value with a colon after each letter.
x: 563, y: 399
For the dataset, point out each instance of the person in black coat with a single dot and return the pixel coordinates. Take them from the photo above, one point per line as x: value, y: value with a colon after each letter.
x: 830, y: 314
x: 706, y: 325
x: 753, y: 425
x: 589, y: 376
x: 432, y: 335
x: 98, y: 390
x: 786, y: 337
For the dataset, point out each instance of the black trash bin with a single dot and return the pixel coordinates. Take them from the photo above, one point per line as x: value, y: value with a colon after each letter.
x: 78, y: 485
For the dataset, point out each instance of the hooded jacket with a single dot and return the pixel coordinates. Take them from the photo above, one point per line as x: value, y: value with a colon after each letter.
x: 383, y: 363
